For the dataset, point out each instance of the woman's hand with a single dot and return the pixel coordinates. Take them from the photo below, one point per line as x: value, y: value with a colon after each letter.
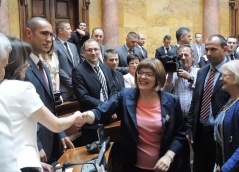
x: 163, y: 164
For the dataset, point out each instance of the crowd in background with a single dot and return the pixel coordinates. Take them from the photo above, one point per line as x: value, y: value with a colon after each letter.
x: 177, y: 109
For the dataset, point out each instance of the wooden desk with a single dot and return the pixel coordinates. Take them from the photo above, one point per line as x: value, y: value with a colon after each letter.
x: 79, y: 155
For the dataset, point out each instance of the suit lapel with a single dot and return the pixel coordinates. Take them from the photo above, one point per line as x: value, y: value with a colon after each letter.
x: 165, y: 107
x: 39, y: 76
x: 91, y: 71
x: 63, y: 48
x: 131, y: 103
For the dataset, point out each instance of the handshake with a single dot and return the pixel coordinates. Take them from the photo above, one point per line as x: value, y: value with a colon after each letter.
x: 82, y: 118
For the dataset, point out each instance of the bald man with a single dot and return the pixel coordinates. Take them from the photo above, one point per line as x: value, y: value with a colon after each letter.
x: 39, y: 35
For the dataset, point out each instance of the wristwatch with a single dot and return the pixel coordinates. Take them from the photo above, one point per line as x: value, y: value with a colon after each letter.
x: 191, y: 79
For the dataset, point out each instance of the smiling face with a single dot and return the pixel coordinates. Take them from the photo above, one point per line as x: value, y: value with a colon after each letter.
x: 133, y: 66
x: 40, y: 39
x: 146, y: 79
x: 187, y: 57
x: 92, y: 52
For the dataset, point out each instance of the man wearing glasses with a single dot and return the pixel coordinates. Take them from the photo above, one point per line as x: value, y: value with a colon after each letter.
x: 92, y: 85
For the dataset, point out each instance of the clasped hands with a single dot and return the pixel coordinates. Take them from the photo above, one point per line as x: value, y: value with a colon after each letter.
x: 81, y: 118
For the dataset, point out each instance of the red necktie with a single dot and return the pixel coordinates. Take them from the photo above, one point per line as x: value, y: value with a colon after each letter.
x: 43, y: 73
x: 207, y: 94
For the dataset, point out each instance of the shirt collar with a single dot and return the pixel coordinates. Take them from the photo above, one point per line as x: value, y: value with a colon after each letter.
x: 218, y: 66
x: 34, y: 58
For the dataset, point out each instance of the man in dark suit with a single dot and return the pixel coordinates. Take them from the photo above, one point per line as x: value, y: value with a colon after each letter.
x: 79, y: 36
x: 98, y: 36
x: 140, y: 44
x: 111, y: 59
x: 92, y: 84
x: 198, y: 49
x: 205, y: 107
x: 68, y: 59
x: 126, y: 49
x: 38, y: 35
x: 166, y: 49
x: 232, y: 46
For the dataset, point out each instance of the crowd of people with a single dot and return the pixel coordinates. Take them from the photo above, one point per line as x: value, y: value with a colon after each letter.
x: 176, y: 110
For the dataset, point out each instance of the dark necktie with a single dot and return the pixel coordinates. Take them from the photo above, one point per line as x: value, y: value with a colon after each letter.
x: 43, y: 73
x: 103, y: 83
x: 116, y: 77
x: 167, y: 49
x: 207, y: 94
x: 232, y: 57
x: 68, y: 52
x: 131, y: 51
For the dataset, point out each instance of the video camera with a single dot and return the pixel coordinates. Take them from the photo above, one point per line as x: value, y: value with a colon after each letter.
x: 103, y: 137
x: 172, y: 63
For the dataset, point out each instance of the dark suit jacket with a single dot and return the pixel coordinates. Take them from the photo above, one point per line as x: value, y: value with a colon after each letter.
x: 103, y: 48
x: 123, y: 53
x: 120, y: 83
x: 79, y: 40
x: 66, y: 65
x: 219, y: 98
x: 196, y: 55
x: 145, y: 54
x: 45, y: 136
x: 124, y: 105
x: 160, y: 52
x: 231, y: 139
x: 202, y: 62
x: 87, y: 86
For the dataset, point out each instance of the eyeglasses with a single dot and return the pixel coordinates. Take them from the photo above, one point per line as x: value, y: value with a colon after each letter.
x: 91, y: 50
x: 146, y: 74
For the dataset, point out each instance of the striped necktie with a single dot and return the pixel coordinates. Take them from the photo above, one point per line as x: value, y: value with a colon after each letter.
x: 207, y: 94
x: 103, y: 83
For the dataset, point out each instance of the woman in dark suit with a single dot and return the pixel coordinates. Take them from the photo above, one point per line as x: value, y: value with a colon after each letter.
x: 151, y: 134
x: 226, y: 129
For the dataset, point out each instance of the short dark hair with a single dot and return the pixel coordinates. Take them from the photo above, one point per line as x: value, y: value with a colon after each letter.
x: 166, y: 37
x: 185, y: 45
x: 82, y: 22
x: 157, y: 67
x: 109, y: 52
x: 131, y: 57
x: 132, y: 35
x: 181, y: 32
x: 232, y: 37
x: 95, y: 28
x: 222, y: 40
x: 19, y: 55
x: 60, y: 25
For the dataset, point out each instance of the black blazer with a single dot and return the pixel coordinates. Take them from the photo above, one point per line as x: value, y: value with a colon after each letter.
x: 79, y: 40
x: 124, y: 105
x: 120, y: 83
x: 86, y: 85
x: 123, y: 53
x: 44, y: 136
x: 160, y: 52
x: 218, y: 100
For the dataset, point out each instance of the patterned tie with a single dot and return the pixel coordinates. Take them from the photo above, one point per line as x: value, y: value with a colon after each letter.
x: 206, y: 101
x: 68, y: 52
x: 103, y: 83
x: 43, y: 73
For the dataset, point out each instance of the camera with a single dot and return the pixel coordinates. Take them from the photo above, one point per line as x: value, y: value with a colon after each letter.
x: 103, y: 137
x: 172, y: 63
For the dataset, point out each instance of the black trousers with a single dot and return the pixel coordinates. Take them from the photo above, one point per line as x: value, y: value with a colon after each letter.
x: 204, y: 149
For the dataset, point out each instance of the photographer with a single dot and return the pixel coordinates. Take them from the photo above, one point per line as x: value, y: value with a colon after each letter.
x: 181, y: 83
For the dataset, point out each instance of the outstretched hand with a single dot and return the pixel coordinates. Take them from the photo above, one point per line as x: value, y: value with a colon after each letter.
x: 81, y: 119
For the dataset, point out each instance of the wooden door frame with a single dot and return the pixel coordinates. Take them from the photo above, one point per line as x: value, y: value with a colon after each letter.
x: 234, y: 18
x: 25, y: 13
